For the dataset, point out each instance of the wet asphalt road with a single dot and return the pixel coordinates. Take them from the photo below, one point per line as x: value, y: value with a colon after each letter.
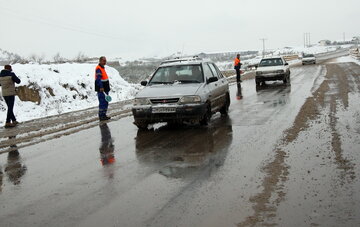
x: 286, y: 155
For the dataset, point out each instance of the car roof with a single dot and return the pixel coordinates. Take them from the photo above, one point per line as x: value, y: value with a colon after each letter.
x: 184, y: 61
x: 272, y: 57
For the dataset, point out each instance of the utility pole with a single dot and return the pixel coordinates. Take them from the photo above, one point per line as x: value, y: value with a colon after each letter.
x: 263, y: 40
x: 307, y: 41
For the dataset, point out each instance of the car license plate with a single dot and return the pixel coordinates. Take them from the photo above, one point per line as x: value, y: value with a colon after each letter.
x: 164, y: 110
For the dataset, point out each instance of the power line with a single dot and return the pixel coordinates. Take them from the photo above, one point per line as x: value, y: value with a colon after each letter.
x: 61, y: 26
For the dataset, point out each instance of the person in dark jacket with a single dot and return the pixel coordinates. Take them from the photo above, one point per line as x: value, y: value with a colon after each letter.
x: 102, y: 87
x: 7, y: 83
x: 237, y: 66
x: 107, y: 145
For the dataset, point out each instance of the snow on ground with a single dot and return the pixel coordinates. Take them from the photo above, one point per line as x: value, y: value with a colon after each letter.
x: 316, y: 49
x: 72, y: 86
x: 346, y: 59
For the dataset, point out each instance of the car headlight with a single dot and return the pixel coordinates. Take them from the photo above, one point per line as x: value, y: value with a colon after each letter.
x: 190, y: 99
x: 141, y: 101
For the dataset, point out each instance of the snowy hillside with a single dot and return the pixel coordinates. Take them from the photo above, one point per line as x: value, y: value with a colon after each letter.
x: 60, y: 88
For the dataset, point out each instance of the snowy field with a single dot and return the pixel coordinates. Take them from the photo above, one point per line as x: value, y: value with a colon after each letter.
x: 63, y: 88
x: 316, y: 49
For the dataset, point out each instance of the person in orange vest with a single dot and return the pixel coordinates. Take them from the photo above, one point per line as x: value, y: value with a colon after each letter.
x: 107, y: 147
x: 237, y: 66
x: 102, y: 87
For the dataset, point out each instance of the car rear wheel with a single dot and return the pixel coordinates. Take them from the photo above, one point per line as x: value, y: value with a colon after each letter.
x: 225, y: 109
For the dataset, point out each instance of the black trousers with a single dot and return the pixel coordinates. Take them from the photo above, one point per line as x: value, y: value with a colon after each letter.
x: 10, y: 100
x: 237, y: 75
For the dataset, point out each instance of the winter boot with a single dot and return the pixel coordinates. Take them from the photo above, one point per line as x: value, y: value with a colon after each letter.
x: 105, y: 118
x: 9, y: 125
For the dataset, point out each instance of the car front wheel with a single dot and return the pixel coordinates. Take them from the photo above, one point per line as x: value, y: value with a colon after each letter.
x: 286, y: 79
x: 206, y: 118
x: 142, y: 125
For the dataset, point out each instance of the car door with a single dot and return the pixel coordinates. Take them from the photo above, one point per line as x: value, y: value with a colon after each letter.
x: 224, y: 85
x: 211, y: 86
x: 220, y: 86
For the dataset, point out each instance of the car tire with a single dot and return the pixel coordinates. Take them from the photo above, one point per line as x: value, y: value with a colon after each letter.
x: 225, y: 109
x: 142, y: 125
x: 285, y: 80
x: 206, y: 118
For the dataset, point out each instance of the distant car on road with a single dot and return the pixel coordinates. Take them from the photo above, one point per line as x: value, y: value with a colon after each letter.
x: 271, y: 69
x: 182, y: 90
x: 308, y: 59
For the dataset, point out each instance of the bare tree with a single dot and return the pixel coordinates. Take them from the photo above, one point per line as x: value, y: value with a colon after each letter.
x: 81, y: 57
x: 37, y: 58
x: 58, y: 58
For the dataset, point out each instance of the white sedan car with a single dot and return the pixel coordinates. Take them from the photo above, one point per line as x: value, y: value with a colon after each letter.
x: 308, y: 59
x: 272, y: 68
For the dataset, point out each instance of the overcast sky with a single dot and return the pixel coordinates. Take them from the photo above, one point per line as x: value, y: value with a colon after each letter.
x: 138, y: 28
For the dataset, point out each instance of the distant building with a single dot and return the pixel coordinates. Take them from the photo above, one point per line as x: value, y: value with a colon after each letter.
x: 356, y: 39
x: 325, y: 42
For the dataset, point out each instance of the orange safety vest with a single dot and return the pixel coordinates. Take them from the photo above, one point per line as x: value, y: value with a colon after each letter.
x: 108, y: 160
x: 104, y: 76
x: 236, y: 62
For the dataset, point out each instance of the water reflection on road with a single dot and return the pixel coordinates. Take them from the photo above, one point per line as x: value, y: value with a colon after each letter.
x: 178, y: 152
x: 106, y: 149
x: 14, y: 169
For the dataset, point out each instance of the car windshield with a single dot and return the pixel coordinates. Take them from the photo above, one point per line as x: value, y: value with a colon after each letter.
x: 178, y: 74
x: 309, y: 56
x: 271, y: 62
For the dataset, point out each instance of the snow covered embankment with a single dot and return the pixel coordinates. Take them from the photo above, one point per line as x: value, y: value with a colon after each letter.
x: 60, y: 88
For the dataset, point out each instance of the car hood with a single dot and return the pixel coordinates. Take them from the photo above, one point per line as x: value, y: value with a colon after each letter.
x: 309, y: 58
x: 169, y: 90
x: 270, y: 68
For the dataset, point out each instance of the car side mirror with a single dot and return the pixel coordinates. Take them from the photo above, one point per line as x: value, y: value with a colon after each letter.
x: 286, y: 63
x: 144, y: 83
x: 212, y: 79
